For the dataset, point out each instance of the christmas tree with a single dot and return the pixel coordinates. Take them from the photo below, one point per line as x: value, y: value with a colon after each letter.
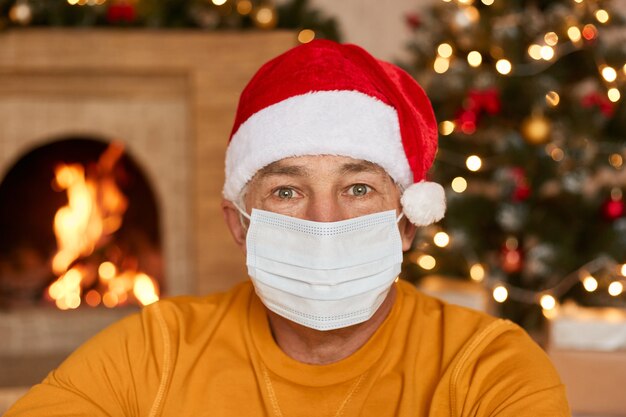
x: 532, y: 145
x: 195, y: 14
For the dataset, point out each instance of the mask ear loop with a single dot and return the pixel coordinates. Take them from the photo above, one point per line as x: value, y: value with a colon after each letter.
x: 400, y: 217
x: 242, y: 215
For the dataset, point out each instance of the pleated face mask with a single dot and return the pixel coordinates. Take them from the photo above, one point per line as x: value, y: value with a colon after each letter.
x: 323, y: 275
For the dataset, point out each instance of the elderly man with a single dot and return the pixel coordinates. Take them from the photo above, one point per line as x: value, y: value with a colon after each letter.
x: 325, y: 186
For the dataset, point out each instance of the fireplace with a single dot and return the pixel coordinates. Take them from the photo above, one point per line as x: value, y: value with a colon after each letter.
x: 80, y: 225
x: 167, y: 99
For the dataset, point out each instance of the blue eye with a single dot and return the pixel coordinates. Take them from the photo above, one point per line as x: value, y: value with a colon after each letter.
x: 359, y: 190
x: 284, y: 193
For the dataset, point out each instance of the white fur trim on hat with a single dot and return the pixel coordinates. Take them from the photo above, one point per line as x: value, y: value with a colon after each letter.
x: 424, y: 203
x: 346, y: 123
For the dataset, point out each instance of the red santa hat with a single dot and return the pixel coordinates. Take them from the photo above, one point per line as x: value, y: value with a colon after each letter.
x: 325, y: 98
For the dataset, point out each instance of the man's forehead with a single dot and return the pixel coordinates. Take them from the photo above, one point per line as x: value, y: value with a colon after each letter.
x: 309, y: 164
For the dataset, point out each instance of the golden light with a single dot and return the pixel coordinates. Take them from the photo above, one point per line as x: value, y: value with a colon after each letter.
x: 552, y: 98
x: 472, y: 13
x: 21, y: 13
x: 623, y: 270
x: 474, y: 58
x: 616, y: 160
x: 551, y: 38
x: 473, y: 163
x: 477, y: 272
x: 446, y: 127
x: 441, y: 65
x: 306, y: 36
x: 616, y: 288
x: 500, y: 294
x: 609, y: 74
x: 602, y: 16
x: 547, y: 52
x: 66, y: 290
x: 574, y: 34
x: 590, y: 283
x: 459, y: 184
x: 624, y: 69
x: 444, y: 50
x: 503, y: 66
x: 265, y: 17
x: 466, y: 2
x: 72, y: 2
x: 426, y: 262
x: 144, y: 289
x: 557, y: 154
x: 534, y: 51
x: 441, y: 239
x: 244, y: 7
x: 219, y: 2
x: 547, y: 302
x: 614, y: 94
x: 487, y: 2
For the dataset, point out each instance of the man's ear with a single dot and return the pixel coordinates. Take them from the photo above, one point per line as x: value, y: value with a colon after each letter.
x: 232, y: 217
x: 407, y: 232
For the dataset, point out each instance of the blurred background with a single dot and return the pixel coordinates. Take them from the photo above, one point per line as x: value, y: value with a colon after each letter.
x: 114, y: 117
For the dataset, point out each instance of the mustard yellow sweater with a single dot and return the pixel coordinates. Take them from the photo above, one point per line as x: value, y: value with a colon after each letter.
x: 215, y: 356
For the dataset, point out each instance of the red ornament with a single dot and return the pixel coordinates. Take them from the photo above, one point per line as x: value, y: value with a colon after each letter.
x: 522, y: 189
x: 477, y: 103
x: 613, y: 208
x: 121, y: 12
x: 595, y: 99
x: 511, y: 260
x: 413, y: 20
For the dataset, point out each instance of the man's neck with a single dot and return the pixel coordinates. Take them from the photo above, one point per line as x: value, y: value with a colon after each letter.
x: 323, y: 347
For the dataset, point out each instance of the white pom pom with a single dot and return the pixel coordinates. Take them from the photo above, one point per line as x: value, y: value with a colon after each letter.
x: 424, y: 203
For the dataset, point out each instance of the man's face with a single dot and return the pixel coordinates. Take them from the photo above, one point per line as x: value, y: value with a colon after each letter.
x: 322, y: 188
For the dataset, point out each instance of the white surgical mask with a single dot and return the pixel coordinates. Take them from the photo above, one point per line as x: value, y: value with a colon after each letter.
x: 323, y: 275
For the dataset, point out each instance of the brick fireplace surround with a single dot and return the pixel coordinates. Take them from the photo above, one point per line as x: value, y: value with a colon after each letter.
x: 170, y: 97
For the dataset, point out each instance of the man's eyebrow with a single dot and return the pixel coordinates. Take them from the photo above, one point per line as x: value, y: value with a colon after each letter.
x: 361, y: 166
x: 279, y: 169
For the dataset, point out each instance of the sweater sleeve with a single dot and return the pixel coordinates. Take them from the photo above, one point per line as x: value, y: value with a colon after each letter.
x: 504, y: 373
x: 116, y: 373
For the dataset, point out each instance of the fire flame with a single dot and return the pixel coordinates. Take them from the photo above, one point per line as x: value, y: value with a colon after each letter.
x: 94, y: 211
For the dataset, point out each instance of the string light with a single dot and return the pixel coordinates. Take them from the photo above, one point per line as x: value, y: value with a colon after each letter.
x: 306, y: 36
x: 616, y: 288
x: 473, y: 163
x: 474, y: 58
x: 459, y: 184
x: 547, y: 302
x: 547, y: 52
x: 574, y: 34
x: 503, y: 66
x: 590, y: 283
x: 446, y: 127
x: 616, y: 160
x: 244, y: 7
x: 500, y: 294
x: 441, y: 65
x: 426, y: 262
x: 441, y: 239
x: 609, y: 74
x: 602, y: 16
x: 623, y: 270
x: 589, y: 32
x: 534, y: 51
x: 487, y: 2
x: 557, y: 154
x: 218, y: 2
x: 477, y: 272
x: 551, y: 38
x: 614, y: 94
x: 444, y: 50
x: 553, y: 98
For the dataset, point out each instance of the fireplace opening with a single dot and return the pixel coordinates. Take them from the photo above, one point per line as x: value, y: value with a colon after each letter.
x: 79, y: 227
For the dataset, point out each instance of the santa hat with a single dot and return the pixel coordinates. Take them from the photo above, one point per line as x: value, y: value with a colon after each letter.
x: 325, y: 98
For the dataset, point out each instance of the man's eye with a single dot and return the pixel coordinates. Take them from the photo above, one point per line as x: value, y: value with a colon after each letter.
x: 284, y: 193
x: 359, y: 190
